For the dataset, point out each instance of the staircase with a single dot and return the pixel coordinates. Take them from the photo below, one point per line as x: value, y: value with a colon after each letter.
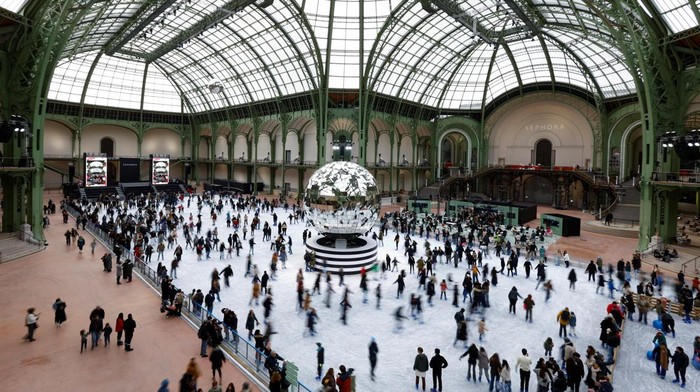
x: 429, y: 192
x: 11, y: 247
x: 120, y: 193
x: 627, y: 209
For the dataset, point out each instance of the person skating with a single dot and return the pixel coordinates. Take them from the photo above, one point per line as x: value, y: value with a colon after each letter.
x: 483, y: 363
x: 513, y: 296
x: 528, y: 304
x: 680, y: 362
x: 574, y: 371
x: 437, y: 363
x: 320, y: 355
x: 344, y: 379
x: 473, y: 357
x: 373, y: 351
x: 420, y: 367
x: 563, y: 318
x: 660, y: 355
x: 328, y: 381
x: 523, y: 364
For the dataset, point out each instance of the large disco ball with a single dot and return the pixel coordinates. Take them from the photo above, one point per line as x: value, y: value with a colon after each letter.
x: 342, y: 200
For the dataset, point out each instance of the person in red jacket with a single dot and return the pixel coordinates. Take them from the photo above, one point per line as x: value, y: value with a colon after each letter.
x: 119, y: 328
x: 344, y: 379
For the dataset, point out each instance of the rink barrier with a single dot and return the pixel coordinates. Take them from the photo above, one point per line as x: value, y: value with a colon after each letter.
x: 240, y: 349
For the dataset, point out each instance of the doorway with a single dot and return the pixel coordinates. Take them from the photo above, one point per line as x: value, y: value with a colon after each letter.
x: 543, y: 153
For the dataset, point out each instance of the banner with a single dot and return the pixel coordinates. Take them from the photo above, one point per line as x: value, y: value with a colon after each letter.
x: 129, y: 169
x: 160, y: 171
x: 95, y: 171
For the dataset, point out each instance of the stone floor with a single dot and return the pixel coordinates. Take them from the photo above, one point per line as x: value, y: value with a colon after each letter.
x: 162, y: 347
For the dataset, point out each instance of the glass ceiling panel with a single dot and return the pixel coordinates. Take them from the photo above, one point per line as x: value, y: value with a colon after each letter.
x: 116, y: 82
x: 13, y: 5
x: 100, y: 24
x: 69, y: 78
x: 346, y: 35
x: 677, y: 14
x: 262, y: 53
x: 467, y: 89
x: 160, y: 94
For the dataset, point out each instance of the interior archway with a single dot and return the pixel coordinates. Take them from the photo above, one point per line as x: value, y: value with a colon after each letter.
x: 543, y: 153
x: 538, y: 190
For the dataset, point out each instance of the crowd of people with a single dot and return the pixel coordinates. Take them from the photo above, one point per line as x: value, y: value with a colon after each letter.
x: 469, y: 240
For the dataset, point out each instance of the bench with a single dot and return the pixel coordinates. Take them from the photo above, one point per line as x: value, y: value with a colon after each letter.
x: 673, y: 307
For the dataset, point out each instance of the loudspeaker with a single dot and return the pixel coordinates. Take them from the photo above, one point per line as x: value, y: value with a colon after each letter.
x: 6, y: 132
x: 188, y: 169
x: 71, y: 172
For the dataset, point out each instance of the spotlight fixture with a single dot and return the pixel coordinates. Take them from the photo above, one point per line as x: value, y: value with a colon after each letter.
x: 215, y: 87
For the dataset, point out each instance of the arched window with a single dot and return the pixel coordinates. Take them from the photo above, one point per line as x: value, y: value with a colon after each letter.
x: 543, y: 153
x: 107, y: 146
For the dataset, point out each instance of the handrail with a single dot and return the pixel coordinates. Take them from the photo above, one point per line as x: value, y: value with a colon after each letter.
x: 695, y: 264
x: 247, y: 353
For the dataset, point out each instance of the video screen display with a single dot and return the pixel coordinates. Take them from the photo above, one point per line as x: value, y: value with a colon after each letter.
x: 95, y: 171
x: 160, y: 173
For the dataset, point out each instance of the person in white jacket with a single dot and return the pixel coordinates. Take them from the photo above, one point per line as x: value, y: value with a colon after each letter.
x: 505, y: 376
x: 523, y: 364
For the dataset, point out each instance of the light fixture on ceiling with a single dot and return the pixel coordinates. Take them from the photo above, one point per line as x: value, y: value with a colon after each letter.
x: 215, y: 87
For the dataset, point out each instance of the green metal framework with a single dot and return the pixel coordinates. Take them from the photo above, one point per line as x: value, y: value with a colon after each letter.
x: 372, y: 62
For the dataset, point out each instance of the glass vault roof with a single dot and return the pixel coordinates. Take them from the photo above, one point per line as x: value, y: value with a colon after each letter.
x: 457, y: 54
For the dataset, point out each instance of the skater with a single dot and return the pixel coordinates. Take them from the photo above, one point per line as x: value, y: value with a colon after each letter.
x: 473, y: 354
x: 437, y: 363
x: 513, y: 296
x: 523, y: 364
x: 420, y: 366
x: 563, y: 318
x: 572, y: 280
x: 482, y: 328
x: 399, y: 318
x: 373, y: 351
x: 548, y: 346
x: 320, y: 353
x: 680, y: 364
x: 528, y: 304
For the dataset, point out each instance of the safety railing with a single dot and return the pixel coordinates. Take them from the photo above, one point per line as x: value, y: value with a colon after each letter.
x: 242, y: 349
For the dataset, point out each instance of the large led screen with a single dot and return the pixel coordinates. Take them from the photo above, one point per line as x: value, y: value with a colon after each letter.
x: 95, y: 171
x: 160, y: 173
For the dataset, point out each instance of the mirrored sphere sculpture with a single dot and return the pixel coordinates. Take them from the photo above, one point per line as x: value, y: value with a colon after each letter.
x: 342, y: 200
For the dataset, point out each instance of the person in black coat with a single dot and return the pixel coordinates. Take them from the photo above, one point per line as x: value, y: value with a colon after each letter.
x: 574, y: 371
x: 272, y: 362
x: 217, y: 359
x: 401, y: 285
x: 473, y: 353
x: 591, y: 269
x: 680, y: 364
x: 129, y: 326
x: 230, y: 322
x: 437, y: 363
x: 607, y: 323
x: 228, y: 273
x: 669, y: 324
x: 373, y: 351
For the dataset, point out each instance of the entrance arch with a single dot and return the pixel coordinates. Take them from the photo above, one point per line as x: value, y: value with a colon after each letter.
x: 462, y: 150
x: 543, y: 153
x: 538, y: 190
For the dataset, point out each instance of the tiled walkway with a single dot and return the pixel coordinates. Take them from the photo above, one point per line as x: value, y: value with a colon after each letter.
x: 162, y: 347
